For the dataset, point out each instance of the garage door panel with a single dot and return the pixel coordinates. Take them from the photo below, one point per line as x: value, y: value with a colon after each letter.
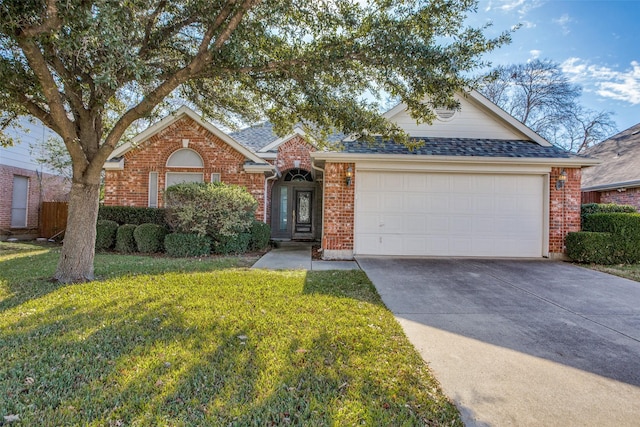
x: 441, y: 214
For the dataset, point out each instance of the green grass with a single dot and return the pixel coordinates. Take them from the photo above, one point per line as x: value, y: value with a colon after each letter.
x: 197, y: 343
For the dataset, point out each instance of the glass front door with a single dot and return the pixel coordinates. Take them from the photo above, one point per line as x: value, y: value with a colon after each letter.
x: 303, y: 211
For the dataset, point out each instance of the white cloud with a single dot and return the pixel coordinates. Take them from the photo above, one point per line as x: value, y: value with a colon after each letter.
x: 607, y: 82
x: 535, y: 53
x: 564, y: 22
x: 522, y: 7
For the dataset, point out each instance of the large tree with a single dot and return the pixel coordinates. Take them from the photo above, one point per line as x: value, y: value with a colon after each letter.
x: 89, y: 69
x: 541, y: 96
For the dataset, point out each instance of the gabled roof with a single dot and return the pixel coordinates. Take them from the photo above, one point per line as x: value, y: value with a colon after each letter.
x: 489, y: 109
x: 256, y: 136
x: 174, y: 117
x: 620, y: 166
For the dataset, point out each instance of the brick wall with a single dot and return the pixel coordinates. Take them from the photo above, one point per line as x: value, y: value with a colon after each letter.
x: 339, y: 208
x: 46, y: 188
x: 295, y: 149
x: 631, y: 196
x: 130, y: 187
x: 564, y: 208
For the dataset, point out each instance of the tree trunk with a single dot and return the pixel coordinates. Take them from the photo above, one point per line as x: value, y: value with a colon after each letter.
x: 78, y: 250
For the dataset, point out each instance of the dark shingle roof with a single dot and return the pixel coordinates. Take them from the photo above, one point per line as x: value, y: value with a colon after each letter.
x: 255, y: 137
x: 620, y: 157
x: 459, y: 147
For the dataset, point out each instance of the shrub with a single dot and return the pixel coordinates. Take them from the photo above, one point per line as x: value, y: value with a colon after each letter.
x: 593, y: 208
x: 590, y: 247
x: 235, y: 244
x: 625, y: 233
x: 133, y: 215
x: 186, y: 245
x: 105, y: 234
x: 220, y: 211
x: 260, y: 235
x: 150, y: 237
x: 125, y: 242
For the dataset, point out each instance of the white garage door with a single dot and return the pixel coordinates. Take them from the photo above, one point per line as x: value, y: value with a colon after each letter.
x: 439, y: 214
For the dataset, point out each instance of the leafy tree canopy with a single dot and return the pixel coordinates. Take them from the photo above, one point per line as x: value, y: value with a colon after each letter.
x: 89, y: 69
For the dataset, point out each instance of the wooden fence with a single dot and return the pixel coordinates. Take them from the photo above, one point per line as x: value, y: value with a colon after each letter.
x: 53, y: 219
x: 590, y: 197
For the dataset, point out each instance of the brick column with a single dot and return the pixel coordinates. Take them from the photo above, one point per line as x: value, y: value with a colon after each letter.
x: 564, y: 208
x: 339, y: 208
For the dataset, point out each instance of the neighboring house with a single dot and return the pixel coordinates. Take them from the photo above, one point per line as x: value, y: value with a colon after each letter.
x: 482, y: 183
x: 617, y: 178
x: 25, y: 184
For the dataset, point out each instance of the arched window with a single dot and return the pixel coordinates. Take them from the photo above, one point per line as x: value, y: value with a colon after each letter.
x: 298, y: 175
x: 185, y: 158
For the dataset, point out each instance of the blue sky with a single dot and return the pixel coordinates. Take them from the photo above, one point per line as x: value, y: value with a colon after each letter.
x: 596, y: 42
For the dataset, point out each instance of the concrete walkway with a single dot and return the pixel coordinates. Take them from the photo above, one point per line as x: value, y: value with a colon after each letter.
x: 521, y: 343
x: 297, y: 256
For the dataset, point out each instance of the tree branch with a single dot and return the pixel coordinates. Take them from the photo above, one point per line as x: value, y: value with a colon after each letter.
x: 51, y: 21
x: 49, y: 87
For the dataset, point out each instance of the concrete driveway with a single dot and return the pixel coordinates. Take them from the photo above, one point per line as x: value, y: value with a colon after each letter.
x: 518, y: 342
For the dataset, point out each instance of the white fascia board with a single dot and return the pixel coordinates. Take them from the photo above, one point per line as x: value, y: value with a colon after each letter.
x: 261, y: 168
x: 268, y: 156
x: 111, y: 165
x: 275, y: 144
x: 174, y: 117
x: 613, y: 186
x: 413, y: 158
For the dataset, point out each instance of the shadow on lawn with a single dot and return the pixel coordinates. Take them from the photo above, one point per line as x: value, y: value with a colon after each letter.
x: 140, y: 353
x: 28, y: 274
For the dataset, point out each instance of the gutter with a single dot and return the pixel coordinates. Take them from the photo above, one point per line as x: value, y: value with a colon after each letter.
x: 418, y: 158
x: 614, y: 186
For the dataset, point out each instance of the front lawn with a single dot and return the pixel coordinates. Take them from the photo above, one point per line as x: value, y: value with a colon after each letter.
x: 206, y: 342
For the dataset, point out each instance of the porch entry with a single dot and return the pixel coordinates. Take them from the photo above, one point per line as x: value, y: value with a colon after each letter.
x: 293, y: 206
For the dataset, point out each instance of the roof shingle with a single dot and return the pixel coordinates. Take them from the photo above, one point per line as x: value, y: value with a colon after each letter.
x: 459, y: 147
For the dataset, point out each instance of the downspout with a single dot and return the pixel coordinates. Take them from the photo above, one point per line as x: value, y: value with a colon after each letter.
x: 313, y: 166
x: 266, y: 189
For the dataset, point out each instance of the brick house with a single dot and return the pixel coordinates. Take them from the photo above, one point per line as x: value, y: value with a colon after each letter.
x: 25, y: 184
x: 617, y: 178
x: 478, y: 183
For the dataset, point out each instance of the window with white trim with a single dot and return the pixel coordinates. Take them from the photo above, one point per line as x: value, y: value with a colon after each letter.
x: 215, y: 177
x: 153, y: 189
x: 174, y: 178
x: 19, y: 201
x: 185, y: 158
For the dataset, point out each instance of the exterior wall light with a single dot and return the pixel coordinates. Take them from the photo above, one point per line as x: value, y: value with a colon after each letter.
x: 349, y: 175
x: 562, y: 178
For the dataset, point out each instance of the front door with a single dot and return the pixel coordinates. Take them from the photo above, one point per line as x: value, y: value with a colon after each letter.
x: 302, y: 214
x: 293, y: 209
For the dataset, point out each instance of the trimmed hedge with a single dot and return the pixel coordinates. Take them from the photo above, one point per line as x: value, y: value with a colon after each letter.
x: 105, y: 234
x: 590, y: 247
x: 594, y: 208
x: 133, y: 215
x: 625, y: 233
x: 125, y: 242
x: 236, y: 244
x: 182, y: 245
x: 260, y: 236
x: 150, y: 237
